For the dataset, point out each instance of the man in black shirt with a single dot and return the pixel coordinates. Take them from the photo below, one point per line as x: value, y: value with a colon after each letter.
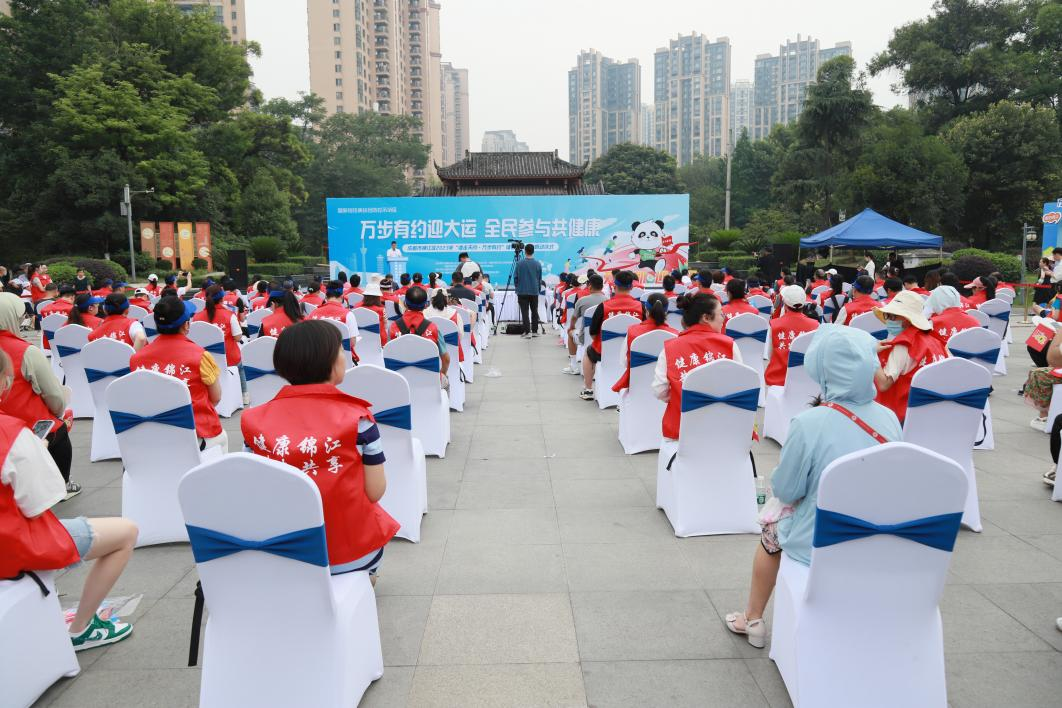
x: 458, y: 288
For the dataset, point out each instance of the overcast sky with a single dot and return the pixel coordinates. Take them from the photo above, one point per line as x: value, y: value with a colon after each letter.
x: 518, y: 53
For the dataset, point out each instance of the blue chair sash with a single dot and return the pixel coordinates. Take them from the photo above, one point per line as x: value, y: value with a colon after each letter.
x: 640, y: 359
x: 252, y: 329
x: 346, y: 344
x: 1004, y: 315
x: 253, y: 372
x: 939, y: 532
x: 990, y: 356
x: 760, y: 335
x: 431, y: 364
x: 394, y: 317
x: 66, y: 351
x: 974, y: 398
x: 796, y: 358
x: 374, y: 328
x: 180, y: 417
x: 766, y: 309
x: 880, y: 334
x: 745, y: 400
x: 607, y: 335
x: 306, y: 545
x: 468, y: 327
x: 216, y: 348
x: 94, y: 375
x: 48, y: 334
x: 452, y: 339
x: 397, y: 417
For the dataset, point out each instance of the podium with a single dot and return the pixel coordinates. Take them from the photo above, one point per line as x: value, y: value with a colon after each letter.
x: 397, y: 266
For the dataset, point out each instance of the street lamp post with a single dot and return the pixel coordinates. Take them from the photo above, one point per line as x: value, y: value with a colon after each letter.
x: 1028, y: 235
x: 127, y: 208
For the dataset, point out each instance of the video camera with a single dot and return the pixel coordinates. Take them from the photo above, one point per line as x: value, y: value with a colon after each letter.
x: 516, y: 244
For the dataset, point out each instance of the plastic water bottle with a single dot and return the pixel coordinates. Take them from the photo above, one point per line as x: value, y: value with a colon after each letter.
x: 761, y: 491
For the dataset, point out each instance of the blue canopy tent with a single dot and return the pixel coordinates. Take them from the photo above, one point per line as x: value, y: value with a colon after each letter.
x: 869, y: 229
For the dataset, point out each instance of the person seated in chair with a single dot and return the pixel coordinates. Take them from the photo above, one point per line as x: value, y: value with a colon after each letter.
x: 910, y: 347
x: 117, y: 326
x: 655, y: 318
x: 619, y: 304
x: 330, y: 436
x: 843, y: 361
x: 861, y: 302
x: 413, y: 321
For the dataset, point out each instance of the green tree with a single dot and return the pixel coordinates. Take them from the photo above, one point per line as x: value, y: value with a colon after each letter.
x: 908, y: 176
x: 635, y: 169
x: 1041, y: 47
x: 265, y: 210
x: 705, y: 179
x: 754, y: 163
x: 1013, y: 153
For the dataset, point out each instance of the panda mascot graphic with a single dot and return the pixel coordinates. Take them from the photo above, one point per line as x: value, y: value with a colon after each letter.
x: 647, y: 237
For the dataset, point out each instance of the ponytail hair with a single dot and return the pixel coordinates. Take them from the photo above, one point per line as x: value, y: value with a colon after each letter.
x: 990, y: 286
x: 213, y: 296
x: 438, y: 300
x: 116, y: 304
x: 695, y: 306
x: 290, y: 304
x: 658, y: 307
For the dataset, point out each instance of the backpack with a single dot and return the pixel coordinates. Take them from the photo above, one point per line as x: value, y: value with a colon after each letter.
x: 419, y: 331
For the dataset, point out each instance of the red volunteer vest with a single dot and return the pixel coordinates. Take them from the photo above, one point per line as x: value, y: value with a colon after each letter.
x: 333, y: 311
x: 177, y: 355
x: 113, y: 327
x: 412, y: 320
x: 40, y: 543
x: 39, y: 293
x: 696, y: 345
x: 259, y: 302
x: 153, y: 288
x: 87, y: 320
x: 860, y: 305
x: 736, y: 307
x: 141, y: 302
x: 276, y: 323
x: 102, y: 292
x: 952, y: 321
x: 784, y: 329
x: 624, y: 381
x: 223, y: 319
x: 59, y: 307
x: 977, y: 298
x: 314, y: 428
x: 21, y: 401
x: 923, y: 348
x: 313, y: 299
x: 618, y: 304
x: 379, y: 310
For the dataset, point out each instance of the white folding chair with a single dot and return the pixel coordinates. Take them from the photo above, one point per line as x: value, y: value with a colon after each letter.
x: 307, y: 308
x: 198, y: 303
x: 328, y: 623
x: 981, y: 317
x: 354, y: 299
x: 477, y: 355
x: 861, y: 576
x: 209, y: 336
x: 370, y: 351
x: 764, y: 305
x: 417, y: 360
x: 750, y: 333
x: 390, y: 311
x: 869, y: 322
x: 34, y: 642
x: 452, y: 336
x: 640, y: 411
x: 1005, y: 294
x: 582, y: 332
x: 786, y: 401
x: 49, y: 326
x: 68, y: 343
x: 253, y: 323
x: 613, y: 361
x: 152, y: 416
x: 879, y: 293
x: 387, y: 392
x: 637, y: 293
x: 945, y: 410
x: 136, y: 312
x: 466, y: 342
x: 674, y: 314
x: 998, y: 312
x: 263, y: 382
x: 104, y: 360
x: 708, y: 486
x: 150, y: 329
x: 981, y: 346
x: 344, y: 332
x: 815, y: 292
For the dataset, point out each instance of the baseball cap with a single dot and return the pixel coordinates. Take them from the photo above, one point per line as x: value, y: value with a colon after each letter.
x: 153, y: 278
x: 140, y: 291
x: 794, y: 295
x: 831, y: 271
x: 582, y: 279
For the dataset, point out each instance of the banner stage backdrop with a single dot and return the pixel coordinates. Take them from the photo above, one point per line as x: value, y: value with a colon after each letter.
x: 1052, y: 221
x: 644, y: 233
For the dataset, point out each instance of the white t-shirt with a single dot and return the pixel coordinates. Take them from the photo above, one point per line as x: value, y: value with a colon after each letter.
x: 32, y: 475
x: 1056, y: 272
x: 393, y: 254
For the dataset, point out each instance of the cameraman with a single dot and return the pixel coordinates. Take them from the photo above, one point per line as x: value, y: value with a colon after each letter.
x: 527, y: 277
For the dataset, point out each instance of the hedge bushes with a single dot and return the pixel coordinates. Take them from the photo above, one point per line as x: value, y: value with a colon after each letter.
x: 1008, y: 266
x: 267, y: 248
x: 969, y: 267
x: 723, y: 239
x: 276, y: 269
x: 97, y: 269
x: 62, y: 273
x: 307, y: 261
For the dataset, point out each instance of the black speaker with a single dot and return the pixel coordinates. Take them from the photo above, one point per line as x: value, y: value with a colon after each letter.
x: 238, y: 268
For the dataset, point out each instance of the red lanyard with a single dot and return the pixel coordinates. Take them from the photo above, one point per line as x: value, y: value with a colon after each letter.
x: 857, y: 420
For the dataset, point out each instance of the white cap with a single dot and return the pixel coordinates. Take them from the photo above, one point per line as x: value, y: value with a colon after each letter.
x: 831, y: 271
x: 372, y: 288
x: 794, y: 296
x: 153, y: 277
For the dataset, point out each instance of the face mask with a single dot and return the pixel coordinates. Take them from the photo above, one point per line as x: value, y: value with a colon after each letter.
x: 894, y: 327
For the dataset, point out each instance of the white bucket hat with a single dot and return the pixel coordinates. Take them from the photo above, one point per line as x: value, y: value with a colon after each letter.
x: 908, y: 305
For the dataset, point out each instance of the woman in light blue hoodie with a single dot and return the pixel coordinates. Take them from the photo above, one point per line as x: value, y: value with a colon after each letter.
x: 843, y: 360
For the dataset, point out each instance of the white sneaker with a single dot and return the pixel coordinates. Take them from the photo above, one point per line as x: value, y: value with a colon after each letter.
x: 568, y: 370
x: 1038, y: 424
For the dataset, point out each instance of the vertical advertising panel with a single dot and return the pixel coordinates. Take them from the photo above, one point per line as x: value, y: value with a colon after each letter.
x: 203, y: 247
x: 167, y: 244
x: 149, y: 242
x: 185, y: 244
x: 1052, y: 222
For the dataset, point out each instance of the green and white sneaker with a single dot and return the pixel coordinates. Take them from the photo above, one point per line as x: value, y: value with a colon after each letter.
x: 100, y: 632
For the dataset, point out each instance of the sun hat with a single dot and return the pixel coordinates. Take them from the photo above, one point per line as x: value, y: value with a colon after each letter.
x: 372, y: 288
x: 908, y: 305
x: 794, y: 296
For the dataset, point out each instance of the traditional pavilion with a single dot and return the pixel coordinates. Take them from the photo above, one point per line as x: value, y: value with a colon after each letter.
x: 491, y: 174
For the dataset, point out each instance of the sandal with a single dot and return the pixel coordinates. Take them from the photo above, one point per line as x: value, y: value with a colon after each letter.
x: 754, y: 630
x: 1049, y: 478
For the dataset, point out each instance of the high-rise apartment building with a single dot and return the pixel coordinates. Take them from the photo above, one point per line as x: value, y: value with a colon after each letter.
x: 740, y: 110
x: 604, y: 105
x: 648, y: 126
x: 502, y: 141
x: 781, y: 82
x: 454, y: 105
x: 691, y: 92
x: 227, y: 13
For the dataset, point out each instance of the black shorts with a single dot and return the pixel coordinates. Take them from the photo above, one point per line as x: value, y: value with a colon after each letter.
x: 593, y: 355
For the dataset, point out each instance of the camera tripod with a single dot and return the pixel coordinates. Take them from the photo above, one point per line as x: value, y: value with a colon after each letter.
x: 508, y: 285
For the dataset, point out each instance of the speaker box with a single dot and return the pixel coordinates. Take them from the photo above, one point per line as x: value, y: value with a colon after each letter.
x: 238, y: 268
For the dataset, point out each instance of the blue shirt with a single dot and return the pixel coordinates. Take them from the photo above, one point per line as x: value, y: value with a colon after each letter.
x: 527, y: 276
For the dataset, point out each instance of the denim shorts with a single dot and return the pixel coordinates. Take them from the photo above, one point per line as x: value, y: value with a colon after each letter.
x: 82, y: 532
x: 370, y: 562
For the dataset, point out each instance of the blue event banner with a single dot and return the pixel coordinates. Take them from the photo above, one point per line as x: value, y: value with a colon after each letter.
x: 644, y: 233
x: 1052, y: 221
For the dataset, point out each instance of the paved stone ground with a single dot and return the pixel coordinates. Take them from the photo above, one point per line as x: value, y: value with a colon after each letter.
x: 547, y: 577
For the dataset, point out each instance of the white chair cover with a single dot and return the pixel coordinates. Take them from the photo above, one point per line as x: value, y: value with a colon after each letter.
x: 344, y: 332
x: 612, y: 364
x: 369, y: 349
x: 708, y: 487
x: 390, y: 311
x: 136, y: 312
x: 949, y: 428
x: 998, y: 312
x: 640, y: 411
x: 263, y: 382
x: 354, y: 299
x: 466, y: 341
x: 582, y: 334
x: 49, y: 326
x: 869, y: 322
x: 815, y: 292
x: 253, y: 322
x: 149, y: 481
x: 750, y: 332
x: 981, y: 317
x: 477, y: 355
x: 861, y: 626
x: 764, y: 305
x: 307, y: 308
x: 674, y: 314
x: 104, y: 360
x: 431, y: 407
x: 198, y: 303
x: 406, y: 498
x: 978, y: 346
x: 150, y: 329
x: 452, y: 336
x: 786, y: 401
x: 638, y: 293
x: 210, y: 337
x: 34, y: 643
x: 281, y: 632
x: 68, y: 343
